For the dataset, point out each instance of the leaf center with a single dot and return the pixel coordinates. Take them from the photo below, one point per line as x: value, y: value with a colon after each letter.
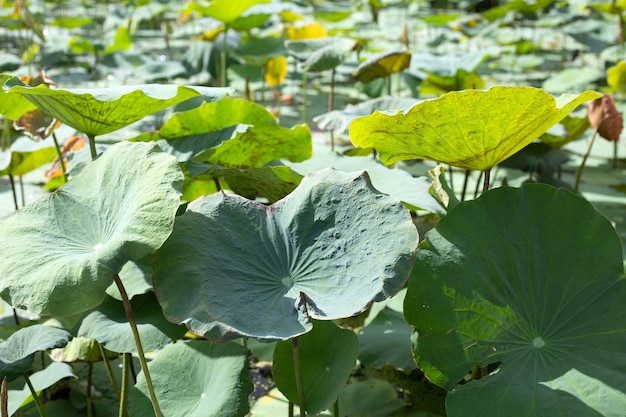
x: 538, y: 342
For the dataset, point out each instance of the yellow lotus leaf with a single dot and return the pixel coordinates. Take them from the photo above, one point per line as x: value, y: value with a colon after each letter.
x: 616, y: 77
x: 276, y: 71
x: 311, y: 31
x: 470, y: 129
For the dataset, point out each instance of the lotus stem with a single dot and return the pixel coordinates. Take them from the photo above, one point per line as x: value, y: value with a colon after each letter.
x: 331, y: 99
x: 140, y: 352
x: 304, y: 94
x: 298, y: 375
x: 16, y: 317
x: 109, y: 369
x: 581, y: 168
x: 89, y: 399
x: 465, y: 182
x: 59, y: 155
x: 336, y: 408
x: 4, y: 398
x: 223, y: 57
x: 290, y: 412
x: 487, y: 180
x: 614, y: 164
x: 92, y: 146
x: 15, y: 202
x: 451, y: 182
x: 126, y: 361
x: 38, y: 403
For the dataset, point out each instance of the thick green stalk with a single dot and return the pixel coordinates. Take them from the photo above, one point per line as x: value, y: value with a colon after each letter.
x: 298, y: 375
x: 336, y: 408
x: 140, y: 352
x: 38, y: 403
x: 92, y: 146
x: 487, y: 180
x: 125, y: 371
x: 89, y: 382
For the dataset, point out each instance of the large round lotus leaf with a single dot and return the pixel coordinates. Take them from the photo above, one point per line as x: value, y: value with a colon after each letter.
x: 469, y: 129
x: 196, y: 379
x: 327, y: 355
x: 108, y: 324
x: 234, y: 267
x: 530, y: 280
x: 59, y: 254
x: 95, y: 111
x: 17, y: 353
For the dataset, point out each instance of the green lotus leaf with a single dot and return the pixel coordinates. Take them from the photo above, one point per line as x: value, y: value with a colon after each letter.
x: 81, y: 349
x: 334, y: 238
x: 339, y: 120
x: 26, y: 155
x: 97, y: 111
x: 41, y: 380
x: 516, y: 284
x: 108, y: 324
x: 60, y: 253
x: 17, y: 353
x: 136, y: 277
x: 382, y: 65
x: 13, y: 106
x: 397, y: 183
x: 386, y: 340
x: 468, y: 129
x: 327, y: 355
x: 196, y: 379
x: 330, y: 55
x: 225, y: 10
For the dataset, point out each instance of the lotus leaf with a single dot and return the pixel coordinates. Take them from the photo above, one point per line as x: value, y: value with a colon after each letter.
x: 515, y: 284
x: 468, y: 129
x: 233, y: 267
x: 121, y: 207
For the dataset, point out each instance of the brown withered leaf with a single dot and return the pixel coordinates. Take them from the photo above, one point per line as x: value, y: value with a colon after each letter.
x: 36, y: 124
x: 605, y: 118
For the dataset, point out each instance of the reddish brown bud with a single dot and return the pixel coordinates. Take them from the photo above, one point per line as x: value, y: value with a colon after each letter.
x: 604, y: 117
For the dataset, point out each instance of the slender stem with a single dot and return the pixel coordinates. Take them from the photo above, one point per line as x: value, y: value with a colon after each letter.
x: 480, y: 177
x: 223, y: 58
x: 298, y: 374
x: 59, y: 155
x: 389, y: 84
x: 465, y: 182
x: 336, y: 408
x: 109, y: 369
x: 331, y: 99
x: 486, y: 180
x: 581, y: 168
x: 15, y: 202
x: 38, y: 403
x: 4, y: 398
x: 127, y: 359
x: 92, y: 146
x: 451, y: 179
x: 16, y: 317
x: 290, y: 412
x: 140, y: 353
x: 614, y: 164
x: 20, y: 179
x: 89, y: 400
x: 304, y: 94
